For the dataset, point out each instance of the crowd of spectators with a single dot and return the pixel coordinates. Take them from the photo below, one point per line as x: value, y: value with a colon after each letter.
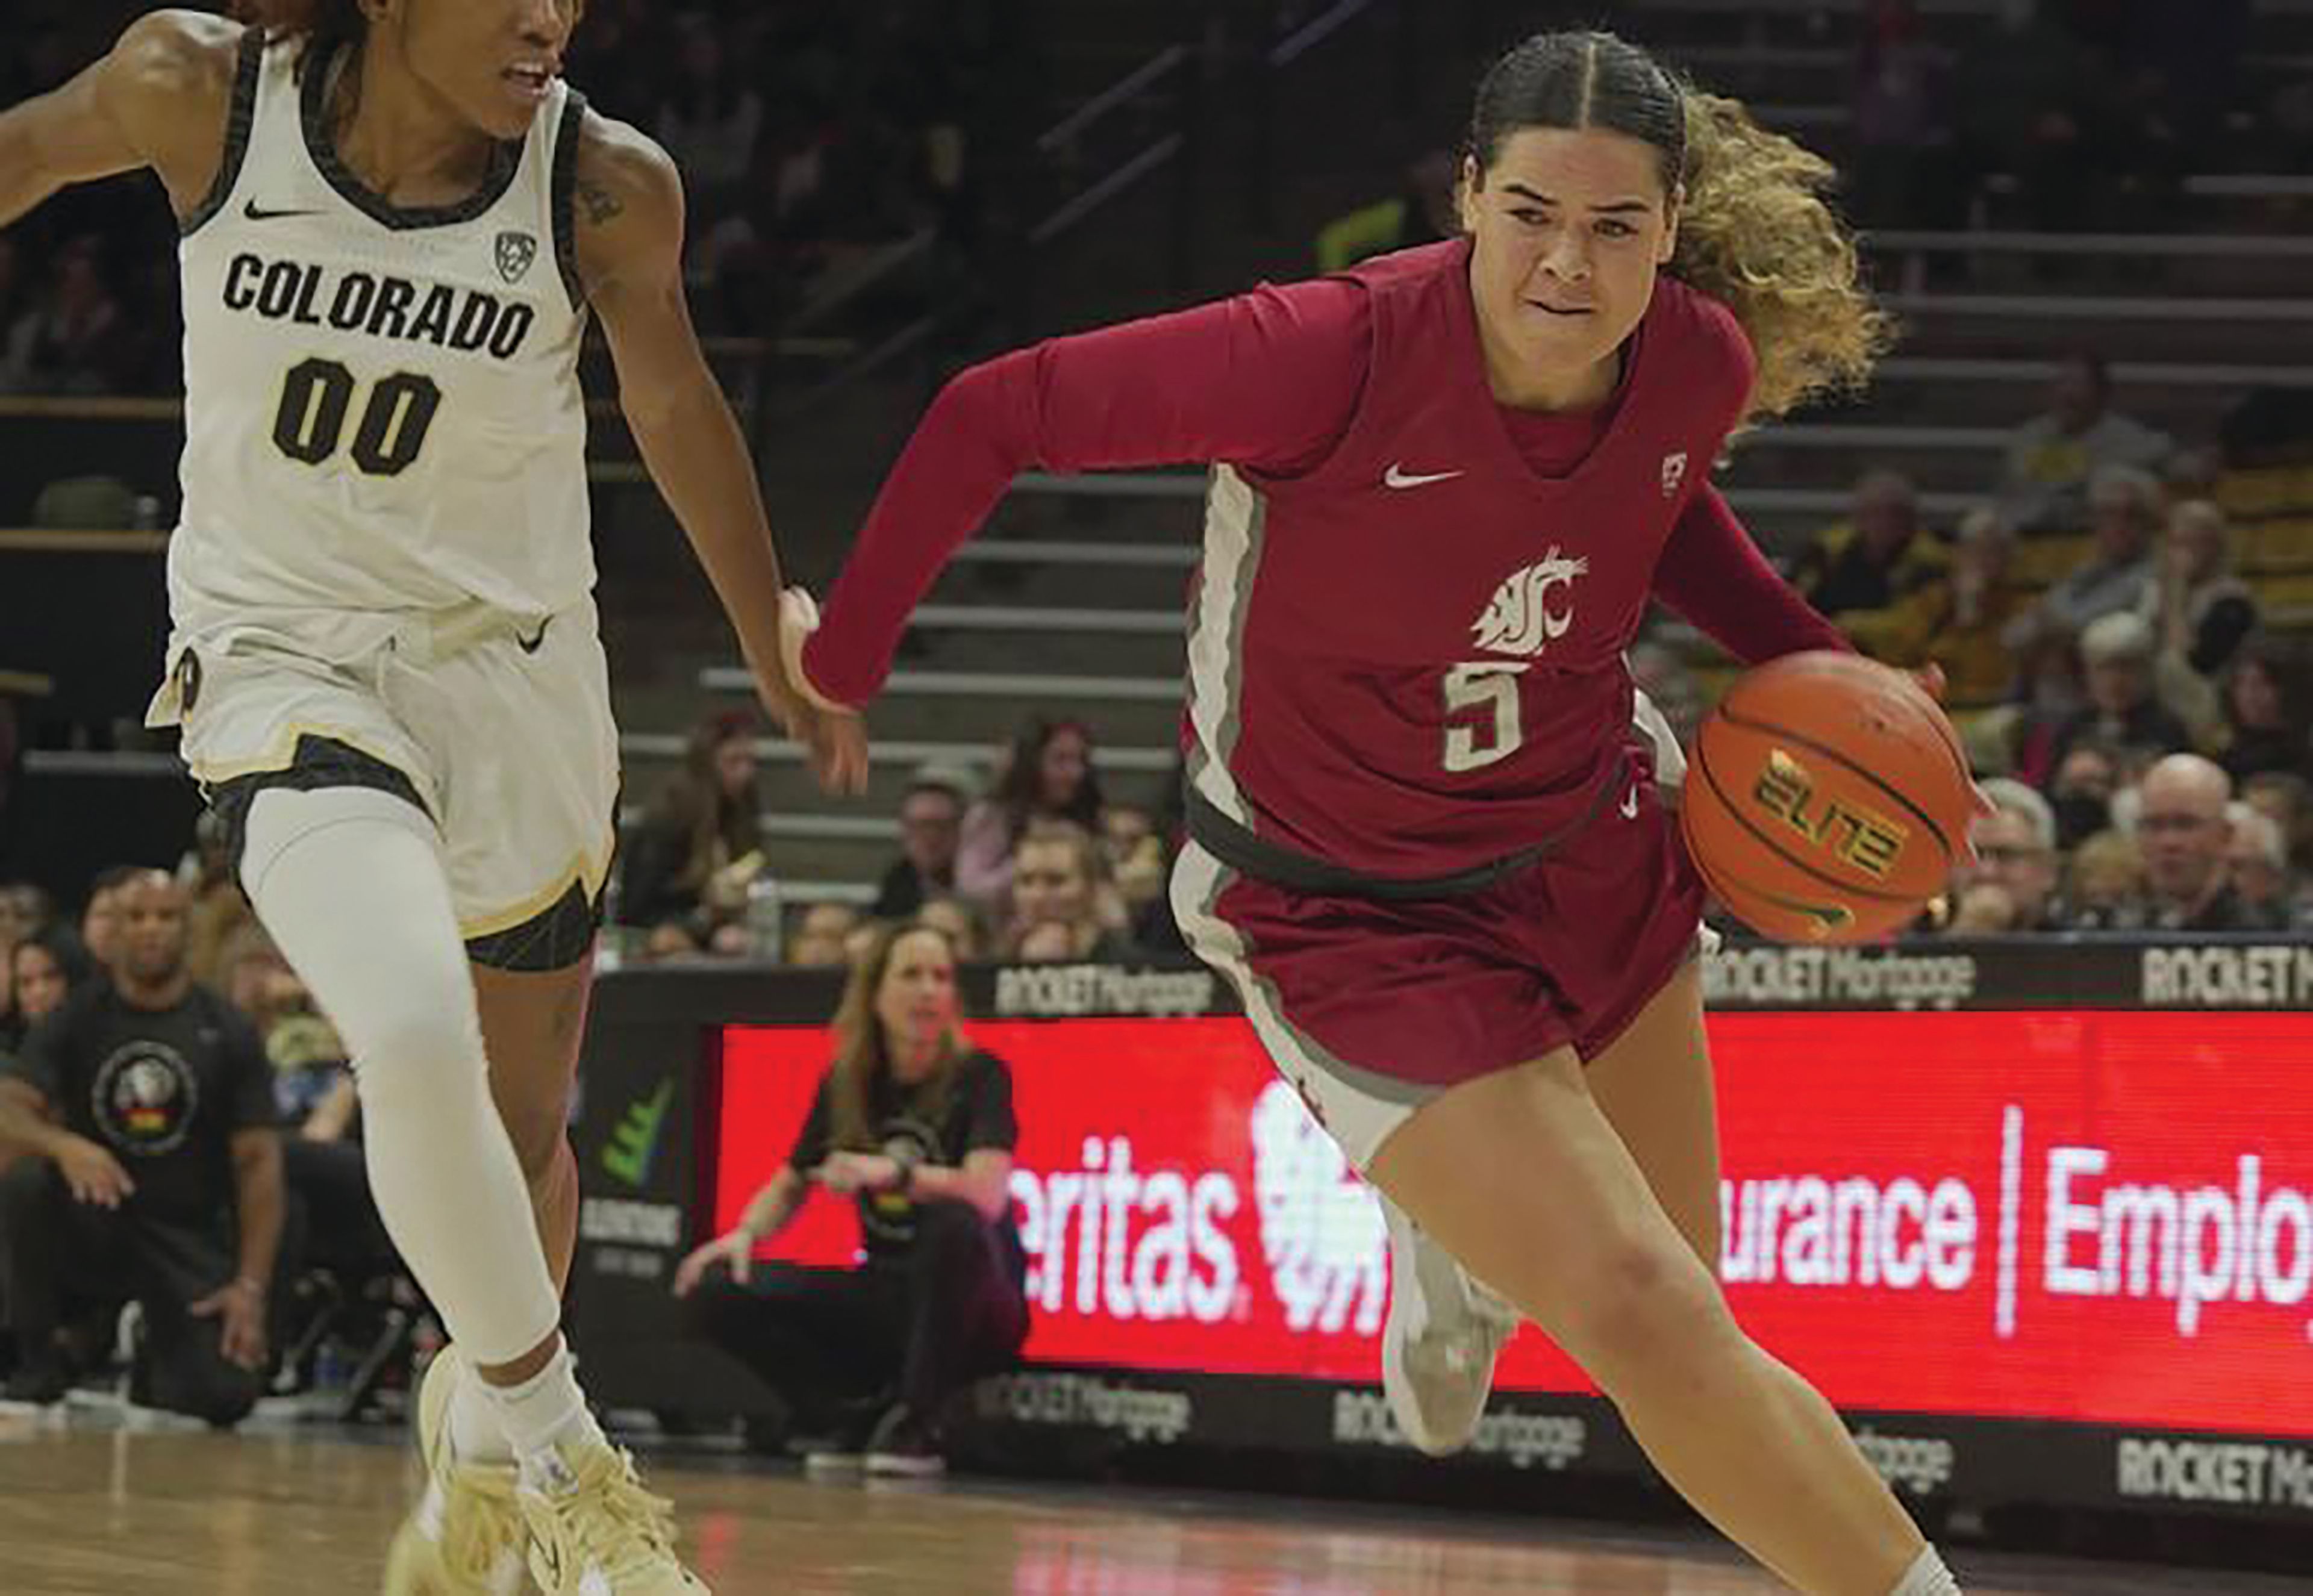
x: 179, y: 1132
x: 2111, y: 656
x: 1030, y: 863
x: 2061, y: 114
x: 809, y: 132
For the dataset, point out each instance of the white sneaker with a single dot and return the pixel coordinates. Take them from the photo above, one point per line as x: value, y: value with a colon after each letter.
x: 1438, y: 1348
x: 595, y: 1531
x: 466, y: 1535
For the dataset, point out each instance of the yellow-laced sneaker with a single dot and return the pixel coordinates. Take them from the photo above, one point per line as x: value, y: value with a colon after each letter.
x: 465, y: 1536
x: 595, y: 1531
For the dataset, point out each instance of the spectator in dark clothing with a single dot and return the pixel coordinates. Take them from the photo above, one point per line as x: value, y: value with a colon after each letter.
x: 699, y: 845
x: 1066, y: 906
x: 44, y: 968
x: 2119, y: 574
x: 73, y: 340
x: 1047, y: 775
x: 2256, y: 860
x: 2014, y: 843
x: 1421, y: 212
x: 2184, y: 832
x: 960, y: 923
x: 2268, y: 711
x: 25, y: 911
x: 2028, y: 110
x: 917, y: 1124
x: 931, y: 825
x: 2201, y: 612
x: 1877, y: 558
x: 710, y: 119
x: 1903, y: 129
x: 159, y: 1177
x: 820, y: 939
x: 2124, y: 710
x: 2080, y: 790
x: 99, y: 917
x: 323, y: 1162
x: 2053, y: 459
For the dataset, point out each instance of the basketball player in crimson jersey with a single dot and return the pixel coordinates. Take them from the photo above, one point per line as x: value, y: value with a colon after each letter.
x: 397, y: 222
x: 1426, y: 840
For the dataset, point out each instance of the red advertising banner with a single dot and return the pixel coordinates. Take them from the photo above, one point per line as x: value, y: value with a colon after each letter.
x: 2098, y: 1217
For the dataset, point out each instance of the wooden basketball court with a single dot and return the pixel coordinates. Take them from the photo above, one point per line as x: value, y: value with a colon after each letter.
x: 99, y: 1510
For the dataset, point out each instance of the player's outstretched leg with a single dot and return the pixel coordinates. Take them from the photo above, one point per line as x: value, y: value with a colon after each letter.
x: 350, y: 882
x: 1520, y: 1175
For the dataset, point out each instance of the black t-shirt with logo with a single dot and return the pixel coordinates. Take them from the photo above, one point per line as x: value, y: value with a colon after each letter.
x: 162, y: 1089
x: 977, y: 1114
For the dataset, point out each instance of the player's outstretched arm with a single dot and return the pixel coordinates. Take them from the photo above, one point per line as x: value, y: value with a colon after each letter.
x: 629, y: 200
x: 158, y: 98
x: 1269, y: 378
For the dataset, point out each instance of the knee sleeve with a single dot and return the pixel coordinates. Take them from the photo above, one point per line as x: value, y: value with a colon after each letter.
x: 350, y: 882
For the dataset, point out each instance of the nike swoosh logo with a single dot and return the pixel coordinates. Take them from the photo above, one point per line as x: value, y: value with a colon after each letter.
x: 1396, y: 476
x: 530, y: 644
x: 257, y: 212
x: 1630, y: 805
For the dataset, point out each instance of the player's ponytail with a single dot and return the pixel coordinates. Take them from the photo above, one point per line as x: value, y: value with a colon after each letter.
x: 1758, y: 235
x: 1755, y: 231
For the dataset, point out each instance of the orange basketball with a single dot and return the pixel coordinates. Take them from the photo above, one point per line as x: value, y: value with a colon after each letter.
x: 1826, y: 799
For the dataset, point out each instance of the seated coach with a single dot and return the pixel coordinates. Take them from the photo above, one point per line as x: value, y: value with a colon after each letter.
x: 917, y: 1125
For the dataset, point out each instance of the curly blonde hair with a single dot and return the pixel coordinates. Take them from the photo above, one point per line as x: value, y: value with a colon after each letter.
x: 1757, y: 231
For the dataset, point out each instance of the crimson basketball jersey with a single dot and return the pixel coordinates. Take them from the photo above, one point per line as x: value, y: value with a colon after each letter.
x: 1408, y: 659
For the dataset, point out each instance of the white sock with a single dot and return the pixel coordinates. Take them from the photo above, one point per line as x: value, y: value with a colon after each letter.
x: 545, y: 1412
x: 477, y: 1433
x: 1927, y: 1576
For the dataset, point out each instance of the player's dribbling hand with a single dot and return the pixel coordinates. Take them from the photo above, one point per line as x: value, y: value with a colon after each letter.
x: 734, y: 1250
x: 1931, y: 679
x: 835, y: 736
x: 93, y: 1175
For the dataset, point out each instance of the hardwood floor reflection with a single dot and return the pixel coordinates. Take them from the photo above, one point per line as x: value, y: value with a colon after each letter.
x: 90, y: 1512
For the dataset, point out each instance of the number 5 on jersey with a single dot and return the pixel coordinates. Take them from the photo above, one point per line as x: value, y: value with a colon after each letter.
x: 317, y: 396
x: 1490, y: 686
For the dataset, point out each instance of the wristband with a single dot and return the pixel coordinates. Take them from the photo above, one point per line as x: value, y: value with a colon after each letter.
x: 798, y: 620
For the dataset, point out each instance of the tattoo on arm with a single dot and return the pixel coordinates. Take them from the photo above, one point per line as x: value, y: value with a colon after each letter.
x: 598, y: 202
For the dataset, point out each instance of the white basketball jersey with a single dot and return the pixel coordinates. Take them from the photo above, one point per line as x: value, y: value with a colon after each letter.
x: 381, y: 404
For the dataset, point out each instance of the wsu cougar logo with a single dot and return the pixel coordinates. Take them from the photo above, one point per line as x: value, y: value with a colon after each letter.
x: 1519, y: 620
x: 1321, y: 1230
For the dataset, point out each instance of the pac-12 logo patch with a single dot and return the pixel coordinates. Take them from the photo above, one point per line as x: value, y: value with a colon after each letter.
x: 1673, y: 472
x: 515, y: 251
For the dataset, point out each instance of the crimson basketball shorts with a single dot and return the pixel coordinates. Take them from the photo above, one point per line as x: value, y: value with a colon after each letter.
x: 1371, y: 1008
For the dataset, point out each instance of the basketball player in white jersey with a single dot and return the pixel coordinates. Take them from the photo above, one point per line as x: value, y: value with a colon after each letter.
x: 397, y: 221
